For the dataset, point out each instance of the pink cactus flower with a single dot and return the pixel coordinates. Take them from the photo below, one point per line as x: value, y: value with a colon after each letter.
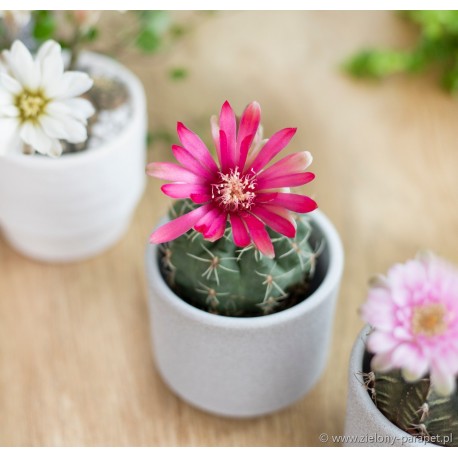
x: 242, y: 188
x: 414, y: 313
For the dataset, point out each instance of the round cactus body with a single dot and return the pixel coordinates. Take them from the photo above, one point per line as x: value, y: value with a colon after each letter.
x: 224, y: 279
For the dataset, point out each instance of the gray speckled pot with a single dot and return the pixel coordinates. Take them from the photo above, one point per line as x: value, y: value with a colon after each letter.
x: 242, y: 367
x: 365, y: 425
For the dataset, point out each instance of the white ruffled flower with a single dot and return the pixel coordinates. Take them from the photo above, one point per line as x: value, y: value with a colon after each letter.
x: 38, y: 100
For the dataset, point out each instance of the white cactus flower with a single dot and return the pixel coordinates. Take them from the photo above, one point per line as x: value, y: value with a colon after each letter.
x: 39, y: 101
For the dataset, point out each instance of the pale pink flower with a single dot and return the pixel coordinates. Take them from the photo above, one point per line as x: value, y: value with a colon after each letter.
x: 242, y: 188
x: 414, y: 313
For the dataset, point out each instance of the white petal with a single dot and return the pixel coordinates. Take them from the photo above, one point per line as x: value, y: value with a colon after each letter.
x: 65, y: 128
x: 10, y: 84
x: 56, y: 148
x: 34, y: 136
x: 51, y: 66
x: 23, y: 67
x: 73, y: 84
x: 80, y: 108
x: 9, y: 111
x: 9, y: 138
x: 6, y: 98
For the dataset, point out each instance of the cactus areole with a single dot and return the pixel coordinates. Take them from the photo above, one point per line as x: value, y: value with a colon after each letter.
x: 235, y: 244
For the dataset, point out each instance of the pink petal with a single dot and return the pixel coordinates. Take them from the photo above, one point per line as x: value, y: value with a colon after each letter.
x: 172, y: 172
x: 191, y: 162
x: 201, y: 198
x: 382, y: 362
x: 239, y: 231
x: 294, y: 202
x: 215, y: 134
x: 443, y: 381
x: 248, y: 127
x: 297, y: 179
x: 274, y: 145
x: 228, y: 125
x: 178, y: 226
x: 259, y: 235
x: 206, y: 221
x: 275, y: 221
x: 196, y: 147
x: 183, y: 190
x: 217, y: 228
x: 226, y: 164
x: 290, y: 164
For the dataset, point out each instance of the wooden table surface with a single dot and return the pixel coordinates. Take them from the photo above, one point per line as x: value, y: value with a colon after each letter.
x: 75, y: 361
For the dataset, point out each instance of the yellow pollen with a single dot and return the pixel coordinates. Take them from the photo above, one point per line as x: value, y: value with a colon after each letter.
x: 235, y: 191
x: 31, y: 105
x: 429, y: 320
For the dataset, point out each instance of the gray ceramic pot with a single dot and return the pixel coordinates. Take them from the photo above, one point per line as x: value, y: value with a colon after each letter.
x: 244, y: 367
x: 365, y: 425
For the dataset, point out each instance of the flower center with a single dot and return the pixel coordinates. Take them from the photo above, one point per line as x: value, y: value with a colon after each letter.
x: 429, y: 320
x: 234, y: 192
x: 31, y: 105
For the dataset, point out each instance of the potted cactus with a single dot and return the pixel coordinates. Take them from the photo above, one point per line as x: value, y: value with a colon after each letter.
x: 404, y: 365
x: 241, y: 314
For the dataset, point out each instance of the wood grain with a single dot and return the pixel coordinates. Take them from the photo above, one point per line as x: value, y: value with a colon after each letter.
x: 75, y: 359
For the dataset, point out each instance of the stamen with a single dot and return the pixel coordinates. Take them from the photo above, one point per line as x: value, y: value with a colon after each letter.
x: 31, y: 105
x: 235, y: 191
x: 429, y: 320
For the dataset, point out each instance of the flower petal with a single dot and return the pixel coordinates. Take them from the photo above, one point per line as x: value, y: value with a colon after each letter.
x: 191, y: 162
x: 34, y: 136
x: 72, y: 84
x: 193, y: 143
x: 291, y: 164
x: 228, y: 125
x: 172, y: 172
x: 77, y: 108
x: 65, y: 128
x: 249, y: 123
x: 204, y: 224
x: 22, y: 66
x: 9, y: 138
x: 294, y: 202
x: 51, y: 65
x: 259, y: 235
x: 274, y: 145
x: 442, y: 380
x: 182, y: 190
x: 10, y: 84
x: 178, y: 226
x: 217, y: 228
x: 274, y: 220
x: 239, y: 231
x: 297, y: 179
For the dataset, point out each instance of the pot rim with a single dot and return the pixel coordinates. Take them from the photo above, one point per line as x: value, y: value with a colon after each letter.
x: 138, y: 100
x: 356, y: 369
x: 330, y: 282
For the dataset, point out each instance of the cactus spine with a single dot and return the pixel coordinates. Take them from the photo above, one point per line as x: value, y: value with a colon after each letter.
x: 415, y: 407
x: 224, y: 279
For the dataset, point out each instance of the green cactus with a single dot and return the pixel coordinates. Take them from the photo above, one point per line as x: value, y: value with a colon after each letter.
x: 224, y: 279
x: 415, y: 407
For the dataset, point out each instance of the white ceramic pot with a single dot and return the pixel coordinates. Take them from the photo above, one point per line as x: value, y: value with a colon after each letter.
x: 242, y: 367
x: 365, y: 425
x: 78, y: 205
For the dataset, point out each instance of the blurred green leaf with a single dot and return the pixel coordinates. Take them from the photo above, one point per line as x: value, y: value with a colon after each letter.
x: 148, y: 41
x: 92, y: 34
x: 44, y: 25
x: 178, y: 73
x: 437, y: 45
